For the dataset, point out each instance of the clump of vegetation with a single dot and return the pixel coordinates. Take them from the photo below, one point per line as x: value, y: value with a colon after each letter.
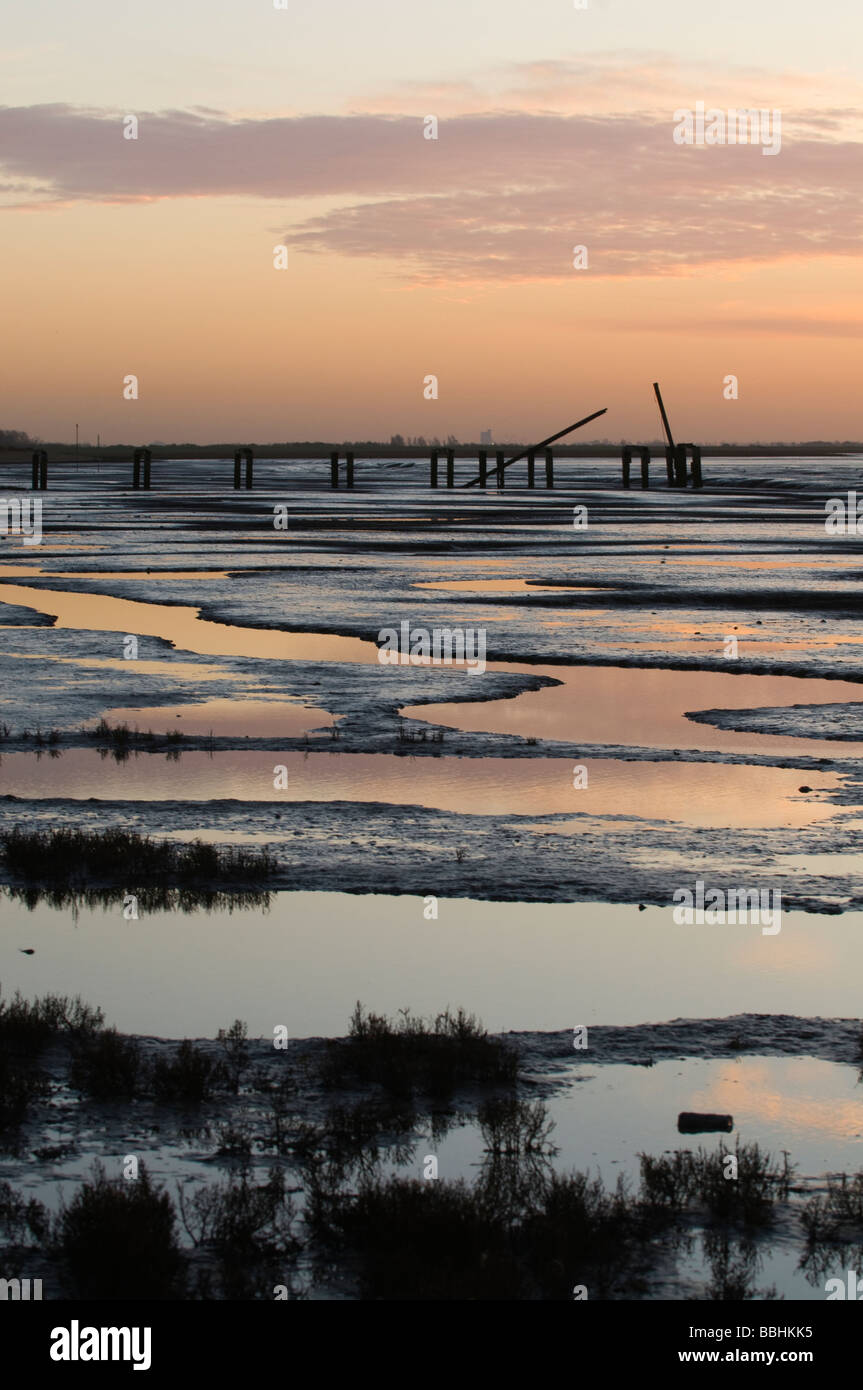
x: 121, y: 740
x: 520, y: 1232
x: 117, y: 1239
x: 189, y: 1077
x: 734, y: 1265
x: 419, y: 1056
x: 837, y: 1218
x: 235, y: 1045
x: 404, y: 735
x: 744, y: 1185
x: 23, y: 1221
x: 28, y: 1026
x: 247, y: 1225
x: 144, y: 867
x: 20, y: 1085
x: 107, y: 1066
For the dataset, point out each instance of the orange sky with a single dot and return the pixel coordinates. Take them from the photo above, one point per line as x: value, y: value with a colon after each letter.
x: 452, y: 257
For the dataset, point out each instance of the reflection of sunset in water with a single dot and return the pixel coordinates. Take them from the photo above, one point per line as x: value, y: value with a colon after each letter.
x: 645, y: 707
x: 715, y: 795
x: 785, y: 1094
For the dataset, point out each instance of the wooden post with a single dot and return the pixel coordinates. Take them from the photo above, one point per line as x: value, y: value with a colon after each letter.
x: 349, y: 468
x: 501, y: 476
x: 697, y: 480
x: 450, y: 468
x: 334, y: 470
x: 625, y: 463
x: 43, y: 471
x: 549, y: 468
x: 236, y: 470
x: 531, y: 467
x: 665, y: 425
x: 147, y: 459
x: 669, y: 464
x: 136, y: 470
x: 249, y: 464
x: 645, y: 468
x: 433, y: 469
x: 483, y: 468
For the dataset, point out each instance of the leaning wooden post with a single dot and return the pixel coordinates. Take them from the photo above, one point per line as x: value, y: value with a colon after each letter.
x: 237, y: 462
x: 43, y: 471
x: 349, y: 470
x: 334, y: 470
x: 482, y: 459
x: 450, y: 467
x: 501, y: 476
x: 249, y: 467
x: 549, y: 468
x: 531, y: 467
x: 433, y: 469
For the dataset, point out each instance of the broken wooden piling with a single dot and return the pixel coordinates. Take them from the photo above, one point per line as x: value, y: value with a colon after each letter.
x: 433, y: 469
x: 544, y: 443
x: 643, y: 453
x: 450, y: 468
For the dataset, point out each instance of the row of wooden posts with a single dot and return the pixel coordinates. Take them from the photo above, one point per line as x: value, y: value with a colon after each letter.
x: 675, y: 464
x: 676, y: 459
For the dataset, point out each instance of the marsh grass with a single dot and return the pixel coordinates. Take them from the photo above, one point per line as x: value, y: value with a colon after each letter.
x: 406, y: 1238
x: 70, y: 866
x: 246, y: 1226
x: 190, y: 1077
x: 23, y: 1222
x: 419, y: 1056
x: 834, y: 1220
x: 28, y: 1026
x: 682, y: 1180
x: 120, y: 738
x: 108, y: 1066
x: 20, y: 1085
x: 118, y: 1239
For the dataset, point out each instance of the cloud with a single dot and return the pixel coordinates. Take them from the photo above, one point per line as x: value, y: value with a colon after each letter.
x: 498, y: 196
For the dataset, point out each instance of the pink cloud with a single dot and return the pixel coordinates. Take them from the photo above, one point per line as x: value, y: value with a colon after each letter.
x: 501, y: 195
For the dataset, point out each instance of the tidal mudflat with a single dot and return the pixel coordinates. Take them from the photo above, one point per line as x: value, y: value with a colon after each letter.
x: 669, y: 695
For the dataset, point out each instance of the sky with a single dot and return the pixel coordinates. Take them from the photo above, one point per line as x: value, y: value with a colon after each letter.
x: 730, y: 274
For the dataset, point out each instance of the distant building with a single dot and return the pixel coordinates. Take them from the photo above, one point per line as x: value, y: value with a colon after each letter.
x: 485, y: 437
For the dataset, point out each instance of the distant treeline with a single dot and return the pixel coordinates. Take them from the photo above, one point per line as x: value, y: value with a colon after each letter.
x: 17, y: 441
